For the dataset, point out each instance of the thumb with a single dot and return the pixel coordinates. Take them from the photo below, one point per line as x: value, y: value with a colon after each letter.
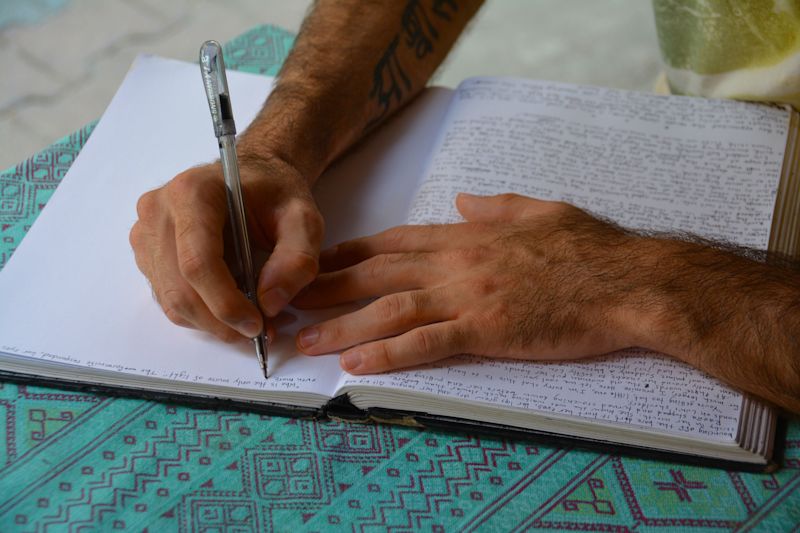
x: 500, y: 207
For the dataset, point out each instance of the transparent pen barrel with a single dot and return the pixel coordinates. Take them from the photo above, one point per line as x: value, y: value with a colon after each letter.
x: 241, y: 244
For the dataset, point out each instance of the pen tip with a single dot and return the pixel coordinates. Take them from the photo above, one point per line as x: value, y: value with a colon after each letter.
x: 261, y: 353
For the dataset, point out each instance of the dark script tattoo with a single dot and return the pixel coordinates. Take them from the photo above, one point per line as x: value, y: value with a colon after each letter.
x: 390, y: 80
x: 418, y: 30
x: 445, y: 9
x: 418, y: 33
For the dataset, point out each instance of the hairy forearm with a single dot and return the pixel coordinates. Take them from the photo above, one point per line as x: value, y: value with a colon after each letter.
x: 354, y: 63
x: 733, y: 317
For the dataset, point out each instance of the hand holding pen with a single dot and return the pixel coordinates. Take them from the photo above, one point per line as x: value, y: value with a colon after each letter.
x: 179, y: 237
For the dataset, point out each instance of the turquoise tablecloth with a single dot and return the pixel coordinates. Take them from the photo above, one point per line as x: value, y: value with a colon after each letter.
x: 86, y: 462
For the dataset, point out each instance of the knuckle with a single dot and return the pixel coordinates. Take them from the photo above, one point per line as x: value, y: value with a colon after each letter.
x: 175, y: 307
x: 466, y: 257
x: 458, y: 338
x: 483, y: 286
x: 192, y: 266
x: 499, y: 319
x: 147, y: 204
x: 175, y: 317
x: 304, y: 264
x: 479, y: 321
x: 188, y: 230
x: 509, y: 197
x: 417, y: 302
x: 312, y: 216
x: 390, y: 308
x: 332, y: 333
x: 308, y: 215
x: 482, y: 228
x: 381, y: 357
x: 172, y: 299
x: 501, y: 316
x: 375, y: 267
x: 181, y: 186
x: 305, y: 210
x: 423, y: 341
x: 394, y: 238
x: 135, y: 236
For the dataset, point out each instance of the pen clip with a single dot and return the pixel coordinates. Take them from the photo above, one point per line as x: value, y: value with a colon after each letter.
x: 212, y: 67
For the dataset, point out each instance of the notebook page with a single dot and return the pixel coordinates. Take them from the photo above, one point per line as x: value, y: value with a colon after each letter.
x: 633, y: 388
x: 707, y: 167
x: 72, y: 293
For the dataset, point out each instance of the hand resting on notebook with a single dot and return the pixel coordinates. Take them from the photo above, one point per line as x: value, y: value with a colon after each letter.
x: 518, y: 279
x: 530, y: 279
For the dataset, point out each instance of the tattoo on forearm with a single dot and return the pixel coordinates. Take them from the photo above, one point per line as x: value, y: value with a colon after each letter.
x: 390, y: 80
x: 445, y: 9
x: 419, y: 31
x: 391, y: 83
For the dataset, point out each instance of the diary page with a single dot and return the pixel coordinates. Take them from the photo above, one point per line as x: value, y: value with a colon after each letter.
x: 662, y: 163
x: 709, y: 167
x: 73, y: 296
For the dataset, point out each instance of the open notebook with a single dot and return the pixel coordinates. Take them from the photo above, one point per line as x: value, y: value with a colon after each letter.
x: 75, y: 309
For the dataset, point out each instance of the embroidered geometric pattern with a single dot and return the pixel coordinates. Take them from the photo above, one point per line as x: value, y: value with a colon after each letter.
x: 87, y: 462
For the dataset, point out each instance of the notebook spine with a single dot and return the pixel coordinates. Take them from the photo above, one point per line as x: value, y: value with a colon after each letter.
x: 785, y: 232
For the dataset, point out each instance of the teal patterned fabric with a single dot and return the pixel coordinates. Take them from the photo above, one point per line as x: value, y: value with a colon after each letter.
x: 76, y: 461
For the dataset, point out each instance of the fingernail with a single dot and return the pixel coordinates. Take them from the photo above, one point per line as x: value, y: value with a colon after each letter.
x: 308, y: 337
x: 350, y: 360
x: 248, y: 328
x: 274, y: 300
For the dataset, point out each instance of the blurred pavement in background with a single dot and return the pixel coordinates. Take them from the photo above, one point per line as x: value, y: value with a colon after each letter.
x: 64, y: 59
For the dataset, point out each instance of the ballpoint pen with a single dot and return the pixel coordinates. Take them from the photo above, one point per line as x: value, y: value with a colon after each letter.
x: 215, y: 82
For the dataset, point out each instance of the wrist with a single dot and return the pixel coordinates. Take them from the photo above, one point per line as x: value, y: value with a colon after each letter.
x: 294, y: 127
x: 265, y: 163
x: 262, y: 155
x: 654, y: 313
x: 266, y: 170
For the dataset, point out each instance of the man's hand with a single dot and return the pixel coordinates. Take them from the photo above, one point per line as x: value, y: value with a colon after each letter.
x: 522, y: 278
x: 178, y: 244
x: 530, y: 279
